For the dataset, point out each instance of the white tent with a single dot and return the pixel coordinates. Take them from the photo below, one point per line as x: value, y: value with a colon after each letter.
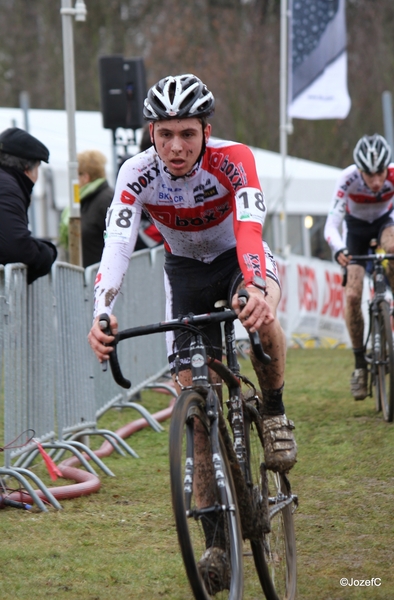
x: 309, y: 185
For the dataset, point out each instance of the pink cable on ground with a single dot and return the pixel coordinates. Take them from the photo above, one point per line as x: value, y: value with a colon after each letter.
x: 87, y: 483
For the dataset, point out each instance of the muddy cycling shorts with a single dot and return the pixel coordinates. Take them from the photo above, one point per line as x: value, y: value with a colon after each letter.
x: 360, y: 233
x: 193, y: 287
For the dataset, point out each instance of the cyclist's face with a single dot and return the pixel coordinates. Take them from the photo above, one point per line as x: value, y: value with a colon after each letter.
x: 179, y: 143
x: 375, y: 181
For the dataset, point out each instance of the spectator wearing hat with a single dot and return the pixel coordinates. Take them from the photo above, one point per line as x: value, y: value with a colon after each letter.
x: 95, y: 196
x: 20, y: 157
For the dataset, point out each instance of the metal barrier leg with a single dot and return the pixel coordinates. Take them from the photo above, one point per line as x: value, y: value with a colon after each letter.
x: 110, y: 440
x: 105, y: 435
x: 92, y: 455
x: 25, y: 459
x: 76, y: 452
x: 26, y: 485
x: 119, y: 440
x: 145, y: 413
x: 49, y: 496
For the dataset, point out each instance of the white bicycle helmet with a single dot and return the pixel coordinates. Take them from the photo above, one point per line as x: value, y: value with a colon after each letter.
x: 179, y: 97
x: 372, y: 154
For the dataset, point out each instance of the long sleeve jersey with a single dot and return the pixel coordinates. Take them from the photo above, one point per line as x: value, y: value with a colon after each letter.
x: 218, y: 206
x: 353, y: 197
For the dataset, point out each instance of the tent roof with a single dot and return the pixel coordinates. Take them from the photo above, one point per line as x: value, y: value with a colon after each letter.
x: 309, y: 186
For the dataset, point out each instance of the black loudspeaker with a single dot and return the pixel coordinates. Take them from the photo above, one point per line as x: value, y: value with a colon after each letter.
x: 123, y: 91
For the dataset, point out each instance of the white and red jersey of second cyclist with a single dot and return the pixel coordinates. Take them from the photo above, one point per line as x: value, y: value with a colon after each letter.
x: 353, y: 197
x: 216, y: 207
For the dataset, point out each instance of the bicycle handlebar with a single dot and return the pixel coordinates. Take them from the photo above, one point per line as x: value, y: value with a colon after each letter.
x: 172, y: 325
x: 376, y: 258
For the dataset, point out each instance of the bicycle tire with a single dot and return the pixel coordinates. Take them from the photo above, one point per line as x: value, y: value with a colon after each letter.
x: 274, y: 550
x: 383, y: 357
x: 191, y: 537
x: 375, y: 388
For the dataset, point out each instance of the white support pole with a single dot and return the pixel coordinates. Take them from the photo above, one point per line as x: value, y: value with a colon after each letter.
x: 283, y: 129
x: 67, y: 13
x: 387, y: 106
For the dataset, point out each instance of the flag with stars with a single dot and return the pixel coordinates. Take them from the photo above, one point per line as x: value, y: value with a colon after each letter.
x: 317, y: 60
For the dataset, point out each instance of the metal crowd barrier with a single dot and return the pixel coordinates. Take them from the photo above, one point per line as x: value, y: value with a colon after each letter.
x: 53, y: 387
x: 140, y: 302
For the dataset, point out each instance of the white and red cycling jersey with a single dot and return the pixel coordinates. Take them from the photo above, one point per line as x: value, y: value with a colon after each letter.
x: 217, y: 206
x: 353, y: 197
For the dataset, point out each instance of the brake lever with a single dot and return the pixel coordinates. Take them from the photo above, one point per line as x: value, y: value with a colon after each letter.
x: 255, y: 342
x: 105, y: 328
x: 117, y: 374
x: 344, y: 276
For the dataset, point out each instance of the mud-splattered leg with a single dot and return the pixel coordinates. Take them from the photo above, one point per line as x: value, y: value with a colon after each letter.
x: 353, y: 313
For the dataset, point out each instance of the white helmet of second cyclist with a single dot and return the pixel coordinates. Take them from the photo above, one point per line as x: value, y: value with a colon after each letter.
x: 372, y: 154
x: 178, y: 97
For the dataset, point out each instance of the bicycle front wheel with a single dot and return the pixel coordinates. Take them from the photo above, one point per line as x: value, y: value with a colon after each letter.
x: 383, y: 357
x: 274, y: 550
x: 206, y: 514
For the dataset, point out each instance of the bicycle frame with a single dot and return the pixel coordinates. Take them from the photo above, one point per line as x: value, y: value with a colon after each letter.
x: 374, y: 308
x: 379, y: 288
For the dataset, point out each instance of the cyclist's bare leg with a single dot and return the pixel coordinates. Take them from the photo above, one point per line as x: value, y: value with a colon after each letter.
x: 271, y: 377
x: 387, y: 243
x: 355, y: 326
x: 353, y: 313
x: 280, y: 448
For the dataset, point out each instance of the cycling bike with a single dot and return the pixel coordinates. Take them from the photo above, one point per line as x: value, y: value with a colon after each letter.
x: 223, y: 495
x: 379, y: 343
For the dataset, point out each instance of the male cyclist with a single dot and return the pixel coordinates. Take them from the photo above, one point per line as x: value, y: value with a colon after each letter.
x: 363, y: 198
x: 205, y: 198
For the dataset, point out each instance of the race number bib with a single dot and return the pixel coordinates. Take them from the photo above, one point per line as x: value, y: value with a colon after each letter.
x: 119, y: 222
x: 250, y: 205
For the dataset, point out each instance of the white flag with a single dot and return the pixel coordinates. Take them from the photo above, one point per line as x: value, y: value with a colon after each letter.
x: 318, y: 60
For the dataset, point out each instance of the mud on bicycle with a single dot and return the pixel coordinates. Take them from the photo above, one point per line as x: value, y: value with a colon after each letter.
x: 229, y: 496
x: 379, y: 353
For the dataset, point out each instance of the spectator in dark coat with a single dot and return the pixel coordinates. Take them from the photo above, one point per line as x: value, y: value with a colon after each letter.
x: 96, y: 196
x: 20, y: 157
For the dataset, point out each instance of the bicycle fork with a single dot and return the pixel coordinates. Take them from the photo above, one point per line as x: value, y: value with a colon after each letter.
x: 200, y: 376
x: 218, y: 471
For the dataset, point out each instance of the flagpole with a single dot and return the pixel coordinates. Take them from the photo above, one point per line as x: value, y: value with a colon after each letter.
x: 283, y: 128
x: 282, y: 119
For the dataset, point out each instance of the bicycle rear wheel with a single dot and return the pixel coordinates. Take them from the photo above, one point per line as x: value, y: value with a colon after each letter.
x: 274, y: 550
x: 217, y: 524
x: 383, y: 357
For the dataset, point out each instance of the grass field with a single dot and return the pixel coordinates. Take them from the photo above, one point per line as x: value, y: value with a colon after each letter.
x: 120, y: 543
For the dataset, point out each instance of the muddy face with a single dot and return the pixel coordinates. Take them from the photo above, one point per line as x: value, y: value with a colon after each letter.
x: 179, y: 143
